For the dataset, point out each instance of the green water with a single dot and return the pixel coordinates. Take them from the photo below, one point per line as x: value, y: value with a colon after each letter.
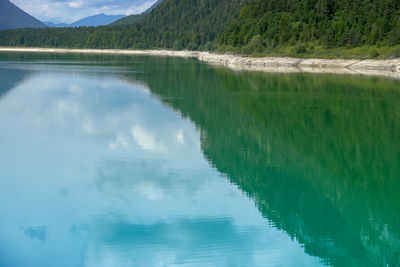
x: 146, y: 161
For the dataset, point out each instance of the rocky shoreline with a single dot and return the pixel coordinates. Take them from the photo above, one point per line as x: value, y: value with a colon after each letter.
x: 388, y: 68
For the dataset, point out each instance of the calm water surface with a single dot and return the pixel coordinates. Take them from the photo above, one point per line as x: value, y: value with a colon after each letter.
x: 145, y: 161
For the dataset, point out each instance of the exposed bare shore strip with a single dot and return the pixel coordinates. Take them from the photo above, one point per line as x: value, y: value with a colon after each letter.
x: 388, y: 68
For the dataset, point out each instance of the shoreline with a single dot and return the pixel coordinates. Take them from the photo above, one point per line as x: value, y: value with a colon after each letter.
x: 387, y: 68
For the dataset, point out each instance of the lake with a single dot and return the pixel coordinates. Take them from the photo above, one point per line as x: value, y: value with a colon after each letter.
x: 153, y: 161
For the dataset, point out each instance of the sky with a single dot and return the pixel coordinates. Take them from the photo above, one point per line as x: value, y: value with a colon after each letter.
x: 68, y: 11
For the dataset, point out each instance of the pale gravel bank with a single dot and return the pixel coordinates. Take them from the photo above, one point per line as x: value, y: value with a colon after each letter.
x: 388, y: 68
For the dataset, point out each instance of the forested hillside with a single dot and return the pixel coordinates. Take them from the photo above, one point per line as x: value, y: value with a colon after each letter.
x: 244, y: 26
x: 178, y: 24
x: 187, y: 24
x: 331, y: 22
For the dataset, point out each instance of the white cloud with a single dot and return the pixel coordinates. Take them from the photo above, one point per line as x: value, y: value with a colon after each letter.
x: 143, y: 138
x: 75, y: 4
x: 119, y: 142
x: 180, y: 138
x: 75, y: 89
x: 87, y: 127
x: 146, y: 140
x: 149, y: 191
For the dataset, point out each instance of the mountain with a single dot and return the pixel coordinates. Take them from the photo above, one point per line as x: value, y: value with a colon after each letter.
x: 283, y: 27
x: 96, y: 20
x: 131, y: 19
x: 54, y: 25
x: 178, y: 24
x: 153, y: 6
x: 182, y: 24
x: 12, y: 17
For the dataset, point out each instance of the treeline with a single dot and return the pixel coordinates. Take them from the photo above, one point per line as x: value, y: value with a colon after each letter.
x: 332, y: 23
x: 177, y: 24
x: 244, y: 25
x: 82, y: 37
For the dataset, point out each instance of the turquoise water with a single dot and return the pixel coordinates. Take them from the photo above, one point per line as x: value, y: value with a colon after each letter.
x: 146, y: 161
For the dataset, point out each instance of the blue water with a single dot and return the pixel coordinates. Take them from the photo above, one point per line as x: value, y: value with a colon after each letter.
x: 152, y: 161
x: 97, y: 171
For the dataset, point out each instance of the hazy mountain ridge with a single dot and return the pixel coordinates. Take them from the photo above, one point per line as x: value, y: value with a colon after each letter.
x: 95, y: 20
x: 12, y: 17
x: 58, y: 25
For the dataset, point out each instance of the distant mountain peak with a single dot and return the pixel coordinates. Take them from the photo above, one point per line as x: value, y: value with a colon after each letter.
x: 12, y: 17
x: 94, y: 20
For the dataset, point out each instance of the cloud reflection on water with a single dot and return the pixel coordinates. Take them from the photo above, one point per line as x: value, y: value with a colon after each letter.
x: 118, y: 178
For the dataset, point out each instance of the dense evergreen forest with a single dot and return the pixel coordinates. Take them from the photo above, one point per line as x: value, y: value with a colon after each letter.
x: 245, y: 26
x: 333, y: 23
x: 178, y: 24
